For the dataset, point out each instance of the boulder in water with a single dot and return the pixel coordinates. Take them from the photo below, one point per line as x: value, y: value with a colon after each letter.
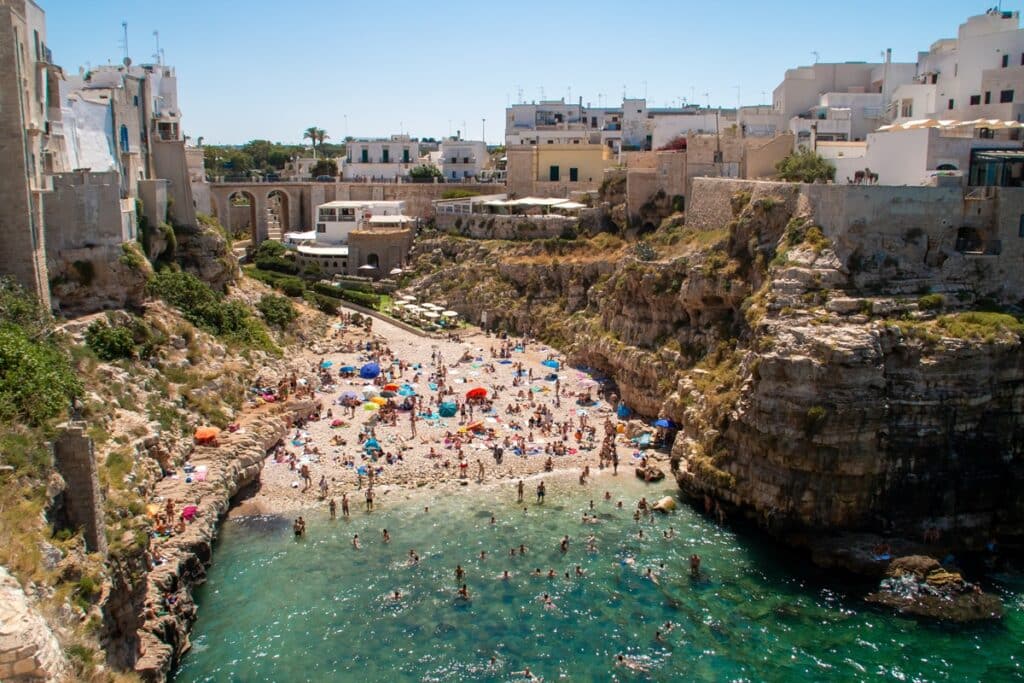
x: 649, y: 473
x: 666, y: 504
x: 919, y: 586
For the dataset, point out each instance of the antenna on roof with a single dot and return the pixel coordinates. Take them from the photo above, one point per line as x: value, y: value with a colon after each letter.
x: 158, y: 55
x: 124, y: 37
x: 816, y: 56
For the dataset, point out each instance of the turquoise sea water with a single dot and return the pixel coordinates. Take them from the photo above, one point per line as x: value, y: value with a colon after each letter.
x: 278, y: 609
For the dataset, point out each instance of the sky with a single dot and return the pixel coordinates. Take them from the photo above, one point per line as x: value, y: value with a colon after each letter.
x: 270, y: 69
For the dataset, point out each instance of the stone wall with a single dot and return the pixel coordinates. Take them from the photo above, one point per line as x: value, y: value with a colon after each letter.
x: 83, y: 499
x: 169, y: 164
x: 29, y: 651
x: 83, y: 209
x: 501, y: 227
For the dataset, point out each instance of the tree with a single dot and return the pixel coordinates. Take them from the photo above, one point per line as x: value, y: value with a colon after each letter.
x: 425, y: 173
x: 805, y: 166
x: 324, y: 167
x: 316, y: 136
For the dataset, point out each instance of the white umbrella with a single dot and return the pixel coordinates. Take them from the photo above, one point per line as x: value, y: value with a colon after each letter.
x: 409, y: 297
x: 397, y: 304
x: 449, y: 314
x: 431, y: 314
x: 367, y: 266
x: 433, y: 307
x: 395, y: 271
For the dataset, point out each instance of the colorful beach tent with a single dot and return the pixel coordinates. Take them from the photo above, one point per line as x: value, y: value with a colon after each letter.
x: 206, y: 434
x: 369, y: 371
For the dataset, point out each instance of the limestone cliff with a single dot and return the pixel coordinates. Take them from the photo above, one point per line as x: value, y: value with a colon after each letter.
x: 828, y: 375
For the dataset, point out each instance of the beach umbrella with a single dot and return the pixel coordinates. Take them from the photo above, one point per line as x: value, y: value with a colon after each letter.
x: 406, y: 390
x: 664, y: 423
x: 449, y: 314
x: 348, y: 395
x: 337, y: 422
x: 476, y: 392
x: 379, y: 400
x: 409, y: 297
x: 369, y: 371
x: 387, y: 393
x: 369, y: 390
x: 327, y: 364
x: 367, y: 266
x: 554, y: 364
x: 347, y: 368
x: 371, y: 444
x: 395, y: 271
x: 432, y: 306
x: 391, y: 387
x: 447, y: 409
x: 431, y: 314
x: 371, y: 406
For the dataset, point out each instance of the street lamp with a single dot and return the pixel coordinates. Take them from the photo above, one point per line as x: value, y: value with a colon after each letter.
x: 483, y: 130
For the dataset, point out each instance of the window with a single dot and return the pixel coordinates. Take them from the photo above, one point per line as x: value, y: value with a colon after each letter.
x: 124, y: 138
x: 553, y: 174
x: 1006, y: 61
x: 405, y: 155
x: 574, y: 175
x: 364, y: 156
x: 135, y: 100
x: 951, y: 103
x: 348, y: 215
x: 1005, y: 96
x: 988, y: 97
x: 975, y: 100
x: 321, y: 227
x: 385, y: 155
x: 1022, y: 58
x: 1020, y: 227
x: 465, y: 160
x: 907, y: 107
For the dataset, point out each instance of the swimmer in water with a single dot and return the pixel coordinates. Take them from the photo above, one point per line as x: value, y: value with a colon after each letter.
x: 464, y: 592
x: 460, y: 573
x: 525, y: 673
x: 548, y: 602
x: 355, y: 542
x: 579, y: 571
x: 493, y: 520
x: 649, y: 574
x: 504, y: 576
x: 620, y: 660
x: 522, y: 549
x: 387, y: 536
x: 564, y: 545
x: 607, y: 495
x: 671, y: 533
x: 551, y: 573
x: 413, y: 557
x: 483, y: 554
x: 397, y: 595
x: 538, y: 572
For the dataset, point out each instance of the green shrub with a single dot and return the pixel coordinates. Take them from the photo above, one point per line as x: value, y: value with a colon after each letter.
x: 325, y: 304
x: 644, y: 251
x: 277, y: 310
x: 459, y: 194
x: 931, y: 302
x: 278, y: 264
x: 362, y: 298
x: 36, y: 378
x: 110, y: 342
x: 206, y: 309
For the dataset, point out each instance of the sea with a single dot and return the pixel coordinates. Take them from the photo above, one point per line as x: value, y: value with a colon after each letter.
x: 278, y: 608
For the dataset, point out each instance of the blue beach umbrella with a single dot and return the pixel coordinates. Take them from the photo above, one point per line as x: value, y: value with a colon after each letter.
x: 369, y: 371
x: 447, y: 409
x: 326, y: 364
x: 664, y: 423
x: 347, y: 368
x: 349, y: 395
x: 553, y: 364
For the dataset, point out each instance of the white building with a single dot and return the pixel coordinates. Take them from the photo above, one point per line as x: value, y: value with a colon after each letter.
x: 978, y: 74
x: 631, y: 127
x: 383, y: 159
x: 335, y: 220
x: 462, y: 159
x: 839, y: 102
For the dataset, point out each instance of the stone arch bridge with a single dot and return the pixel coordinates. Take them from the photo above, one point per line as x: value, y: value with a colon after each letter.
x: 268, y: 210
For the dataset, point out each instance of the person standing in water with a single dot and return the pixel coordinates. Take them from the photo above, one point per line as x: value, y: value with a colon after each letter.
x: 519, y: 490
x: 541, y: 491
x: 344, y: 505
x: 333, y: 507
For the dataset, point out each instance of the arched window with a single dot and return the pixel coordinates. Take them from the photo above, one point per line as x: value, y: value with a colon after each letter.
x: 373, y: 260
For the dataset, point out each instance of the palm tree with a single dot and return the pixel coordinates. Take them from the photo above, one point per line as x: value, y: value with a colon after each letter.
x: 321, y: 136
x: 313, y: 134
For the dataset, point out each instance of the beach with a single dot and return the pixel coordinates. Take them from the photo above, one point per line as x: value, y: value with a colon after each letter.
x: 333, y: 445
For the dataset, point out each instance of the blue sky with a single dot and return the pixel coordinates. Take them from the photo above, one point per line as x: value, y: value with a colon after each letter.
x: 272, y: 68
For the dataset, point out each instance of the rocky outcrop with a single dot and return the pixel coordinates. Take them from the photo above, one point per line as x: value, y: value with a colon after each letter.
x: 919, y: 586
x: 206, y: 253
x: 814, y: 393
x: 233, y: 465
x: 99, y: 278
x: 29, y: 651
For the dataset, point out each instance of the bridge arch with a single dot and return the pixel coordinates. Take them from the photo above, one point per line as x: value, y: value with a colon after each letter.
x: 279, y: 217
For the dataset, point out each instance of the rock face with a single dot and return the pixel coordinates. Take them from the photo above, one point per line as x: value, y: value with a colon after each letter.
x: 845, y: 383
x: 29, y: 651
x: 233, y: 465
x: 204, y: 252
x: 98, y: 278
